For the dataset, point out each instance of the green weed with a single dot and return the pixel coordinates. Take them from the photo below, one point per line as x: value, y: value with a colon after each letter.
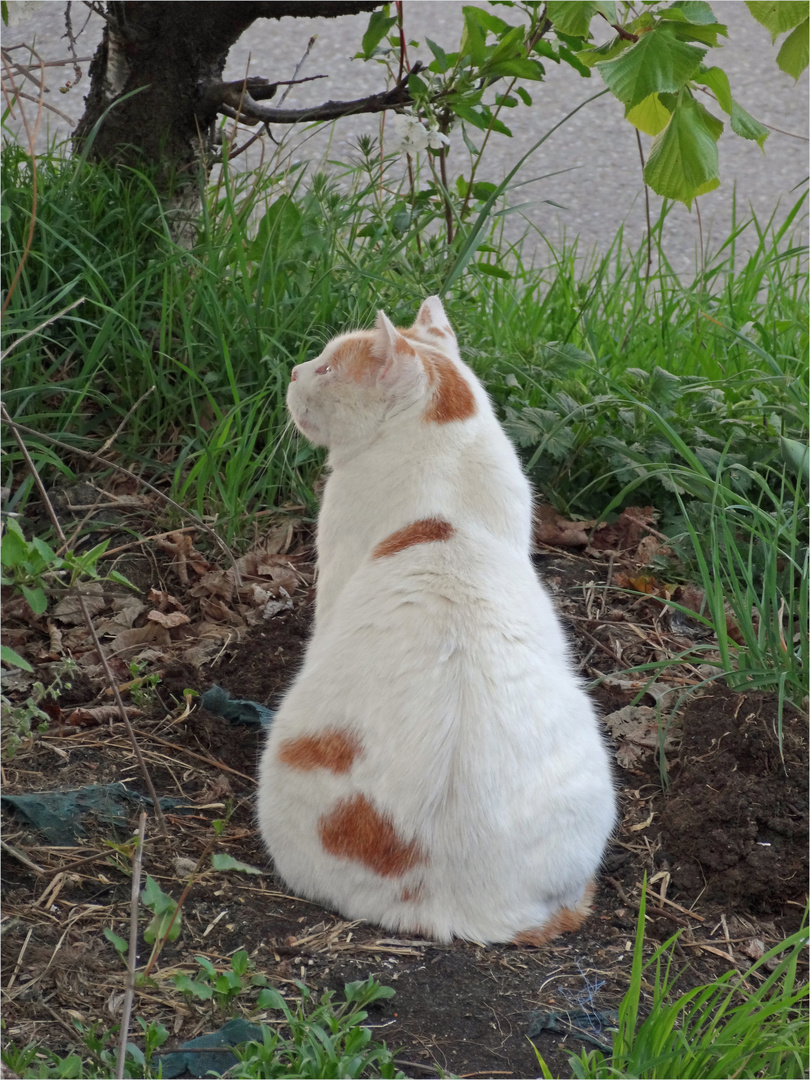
x: 752, y: 1025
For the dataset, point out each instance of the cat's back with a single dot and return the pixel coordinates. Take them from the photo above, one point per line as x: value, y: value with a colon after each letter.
x: 435, y: 447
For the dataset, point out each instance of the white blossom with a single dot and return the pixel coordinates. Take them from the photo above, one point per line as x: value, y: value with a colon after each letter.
x: 410, y: 135
x: 436, y: 138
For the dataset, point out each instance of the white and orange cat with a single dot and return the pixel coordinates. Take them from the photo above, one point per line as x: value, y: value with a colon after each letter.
x: 436, y: 767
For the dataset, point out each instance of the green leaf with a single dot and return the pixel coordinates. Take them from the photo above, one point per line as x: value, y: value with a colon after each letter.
x: 574, y: 19
x: 37, y: 600
x: 793, y: 57
x: 608, y: 9
x: 117, y: 941
x: 46, y: 552
x: 378, y: 26
x: 693, y: 11
x: 657, y: 63
x: 509, y: 47
x: 777, y: 16
x: 222, y: 861
x: 190, y: 986
x: 473, y: 37
x: 488, y: 21
x: 717, y: 81
x: 270, y: 998
x: 207, y: 966
x: 493, y: 271
x: 13, y: 548
x: 239, y: 961
x: 650, y: 115
x: 524, y: 95
x: 417, y: 87
x: 12, y: 657
x: 797, y: 455
x: 706, y: 35
x: 164, y: 907
x: 519, y: 68
x: 683, y: 160
x: 743, y: 123
x: 607, y: 51
x: 440, y: 61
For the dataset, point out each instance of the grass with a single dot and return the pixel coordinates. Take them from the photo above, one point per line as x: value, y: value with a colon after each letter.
x: 752, y: 1025
x: 321, y: 1038
x: 619, y: 386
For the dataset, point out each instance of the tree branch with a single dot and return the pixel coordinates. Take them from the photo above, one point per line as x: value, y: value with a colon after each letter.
x: 237, y: 98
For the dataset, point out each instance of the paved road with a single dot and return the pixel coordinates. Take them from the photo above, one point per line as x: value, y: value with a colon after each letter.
x: 603, y: 187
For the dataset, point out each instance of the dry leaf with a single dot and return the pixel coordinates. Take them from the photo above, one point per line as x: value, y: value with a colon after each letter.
x: 651, y: 548
x: 635, y: 732
x: 215, y: 610
x: 99, y: 714
x: 694, y: 598
x: 127, y: 610
x: 128, y: 641
x: 174, y: 618
x: 215, y: 583
x: 625, y: 533
x: 753, y: 949
x: 553, y: 529
x: 181, y: 546
x: 68, y: 609
x: 161, y: 599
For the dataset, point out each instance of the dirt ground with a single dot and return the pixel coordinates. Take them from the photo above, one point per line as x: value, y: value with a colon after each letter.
x: 723, y: 842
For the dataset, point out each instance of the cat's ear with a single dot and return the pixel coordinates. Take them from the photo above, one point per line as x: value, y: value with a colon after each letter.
x: 432, y: 318
x: 390, y: 347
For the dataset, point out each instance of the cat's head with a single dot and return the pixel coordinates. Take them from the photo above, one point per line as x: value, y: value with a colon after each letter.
x: 343, y: 397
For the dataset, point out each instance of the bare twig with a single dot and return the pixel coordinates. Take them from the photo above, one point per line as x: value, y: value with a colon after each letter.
x: 16, y: 428
x: 20, y: 857
x: 252, y: 111
x: 90, y: 626
x: 129, y: 993
x: 122, y: 425
x: 42, y: 325
x: 647, y: 207
x: 32, y: 138
x: 298, y: 67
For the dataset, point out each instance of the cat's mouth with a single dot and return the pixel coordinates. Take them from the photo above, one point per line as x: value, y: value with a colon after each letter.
x: 307, y: 427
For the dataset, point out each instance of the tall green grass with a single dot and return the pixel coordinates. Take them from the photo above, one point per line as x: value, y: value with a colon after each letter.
x: 745, y: 1026
x: 619, y: 383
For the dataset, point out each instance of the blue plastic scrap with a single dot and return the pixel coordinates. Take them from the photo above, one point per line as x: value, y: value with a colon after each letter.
x: 208, y: 1054
x: 236, y: 710
x: 61, y: 815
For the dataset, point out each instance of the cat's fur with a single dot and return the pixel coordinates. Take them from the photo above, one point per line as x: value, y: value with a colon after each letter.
x: 435, y: 767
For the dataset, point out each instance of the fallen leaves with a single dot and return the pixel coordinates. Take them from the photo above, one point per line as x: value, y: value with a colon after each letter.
x: 214, y: 608
x: 636, y: 731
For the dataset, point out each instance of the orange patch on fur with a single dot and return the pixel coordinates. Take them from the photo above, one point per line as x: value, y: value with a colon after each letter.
x: 453, y: 398
x: 426, y: 531
x: 355, y: 830
x: 564, y: 921
x: 332, y: 749
x: 355, y: 358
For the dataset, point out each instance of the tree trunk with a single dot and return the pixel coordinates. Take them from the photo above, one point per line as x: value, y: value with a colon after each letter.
x: 169, y: 59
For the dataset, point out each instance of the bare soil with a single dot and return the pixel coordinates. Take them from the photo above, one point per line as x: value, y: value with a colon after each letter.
x: 723, y: 842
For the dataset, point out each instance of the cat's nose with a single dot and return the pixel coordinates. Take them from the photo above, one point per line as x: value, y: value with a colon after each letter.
x: 294, y: 374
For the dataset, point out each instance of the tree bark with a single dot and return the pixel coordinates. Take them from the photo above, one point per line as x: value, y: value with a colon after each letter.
x: 156, y: 78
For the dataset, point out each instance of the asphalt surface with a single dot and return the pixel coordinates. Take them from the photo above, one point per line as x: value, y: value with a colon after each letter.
x: 597, y: 186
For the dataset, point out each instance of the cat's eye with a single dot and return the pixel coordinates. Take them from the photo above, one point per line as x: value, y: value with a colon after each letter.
x: 324, y: 369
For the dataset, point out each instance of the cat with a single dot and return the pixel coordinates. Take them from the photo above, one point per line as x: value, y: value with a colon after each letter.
x: 436, y: 767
